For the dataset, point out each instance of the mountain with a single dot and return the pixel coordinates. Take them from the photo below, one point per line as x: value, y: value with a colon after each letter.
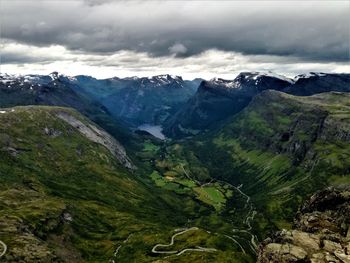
x: 71, y: 192
x: 59, y: 90
x: 67, y: 194
x: 322, y: 232
x: 279, y: 149
x: 121, y: 102
x: 60, y: 171
x: 218, y: 99
x: 140, y: 100
x: 43, y: 90
x: 287, y: 146
x: 313, y: 83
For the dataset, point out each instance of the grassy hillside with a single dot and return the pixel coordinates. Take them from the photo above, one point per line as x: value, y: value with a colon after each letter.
x: 285, y: 147
x: 64, y: 197
x: 281, y: 148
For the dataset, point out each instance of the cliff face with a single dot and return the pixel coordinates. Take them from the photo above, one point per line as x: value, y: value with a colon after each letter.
x: 321, y: 232
x: 218, y: 99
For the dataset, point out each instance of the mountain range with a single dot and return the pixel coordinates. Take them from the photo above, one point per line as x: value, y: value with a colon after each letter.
x: 81, y: 183
x: 217, y: 99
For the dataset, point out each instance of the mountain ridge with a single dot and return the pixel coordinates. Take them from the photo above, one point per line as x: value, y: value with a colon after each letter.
x: 218, y: 99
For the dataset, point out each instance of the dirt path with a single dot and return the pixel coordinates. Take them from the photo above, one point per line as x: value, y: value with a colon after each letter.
x: 118, y: 248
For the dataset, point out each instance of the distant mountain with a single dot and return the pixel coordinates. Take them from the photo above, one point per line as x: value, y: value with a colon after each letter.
x: 58, y: 90
x: 133, y: 100
x: 45, y: 90
x: 218, y: 99
x: 313, y: 83
x: 140, y: 100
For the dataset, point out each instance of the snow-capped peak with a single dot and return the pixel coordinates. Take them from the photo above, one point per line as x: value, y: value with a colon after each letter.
x: 309, y: 75
x: 55, y: 75
x: 257, y: 75
x: 225, y: 83
x: 166, y: 77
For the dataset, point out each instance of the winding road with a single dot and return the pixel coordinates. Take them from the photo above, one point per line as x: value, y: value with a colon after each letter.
x: 247, y: 220
x: 200, y: 249
x: 178, y: 253
x: 4, y: 248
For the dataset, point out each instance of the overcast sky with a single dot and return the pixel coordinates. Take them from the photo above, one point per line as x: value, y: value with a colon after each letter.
x: 106, y: 38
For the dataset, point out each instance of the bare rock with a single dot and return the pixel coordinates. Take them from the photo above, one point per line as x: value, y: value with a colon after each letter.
x: 322, y: 232
x: 99, y: 136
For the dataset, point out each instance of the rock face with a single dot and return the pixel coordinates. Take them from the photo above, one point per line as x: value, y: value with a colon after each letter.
x: 321, y: 234
x: 99, y: 136
x: 217, y: 99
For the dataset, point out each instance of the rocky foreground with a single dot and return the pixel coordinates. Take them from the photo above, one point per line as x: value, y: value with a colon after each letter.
x: 321, y: 233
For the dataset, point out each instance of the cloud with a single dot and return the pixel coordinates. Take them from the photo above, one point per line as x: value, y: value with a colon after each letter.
x: 25, y: 59
x: 312, y: 31
x: 178, y: 49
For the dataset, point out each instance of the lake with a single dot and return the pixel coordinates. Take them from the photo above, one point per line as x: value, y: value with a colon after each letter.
x: 155, y: 130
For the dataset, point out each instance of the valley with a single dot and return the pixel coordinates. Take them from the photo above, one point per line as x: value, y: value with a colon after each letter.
x: 81, y: 182
x: 174, y: 131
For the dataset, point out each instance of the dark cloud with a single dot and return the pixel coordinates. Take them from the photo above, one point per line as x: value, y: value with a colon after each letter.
x: 312, y: 31
x: 19, y: 58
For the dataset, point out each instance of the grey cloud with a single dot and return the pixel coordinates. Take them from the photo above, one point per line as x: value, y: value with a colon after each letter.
x: 15, y: 58
x: 311, y: 31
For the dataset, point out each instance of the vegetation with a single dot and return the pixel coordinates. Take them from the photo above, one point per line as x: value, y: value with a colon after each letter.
x: 64, y: 197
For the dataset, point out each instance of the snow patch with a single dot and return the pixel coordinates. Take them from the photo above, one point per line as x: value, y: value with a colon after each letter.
x: 257, y: 75
x: 231, y: 84
x: 309, y: 75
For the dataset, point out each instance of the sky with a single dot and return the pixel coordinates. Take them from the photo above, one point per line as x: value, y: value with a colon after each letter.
x: 106, y: 38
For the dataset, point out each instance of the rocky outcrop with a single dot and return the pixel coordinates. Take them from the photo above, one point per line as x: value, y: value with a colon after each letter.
x: 321, y: 234
x: 99, y: 136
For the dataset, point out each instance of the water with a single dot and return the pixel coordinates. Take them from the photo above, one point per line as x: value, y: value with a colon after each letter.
x: 155, y: 130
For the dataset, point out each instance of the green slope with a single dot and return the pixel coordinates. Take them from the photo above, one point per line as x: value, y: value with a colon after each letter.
x: 281, y: 148
x: 65, y: 197
x: 284, y: 148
